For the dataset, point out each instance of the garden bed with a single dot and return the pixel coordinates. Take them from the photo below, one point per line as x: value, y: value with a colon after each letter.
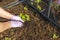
x: 35, y: 29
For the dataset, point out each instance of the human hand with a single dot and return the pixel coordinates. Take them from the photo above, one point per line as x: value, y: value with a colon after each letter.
x: 16, y: 24
x: 17, y: 18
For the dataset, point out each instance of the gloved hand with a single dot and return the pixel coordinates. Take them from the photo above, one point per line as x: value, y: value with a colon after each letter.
x: 17, y: 18
x: 16, y: 24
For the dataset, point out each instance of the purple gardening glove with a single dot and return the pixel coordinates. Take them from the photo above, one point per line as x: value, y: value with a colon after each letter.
x: 16, y: 24
x: 17, y: 18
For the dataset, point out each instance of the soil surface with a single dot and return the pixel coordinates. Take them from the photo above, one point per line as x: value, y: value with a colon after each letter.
x: 36, y: 29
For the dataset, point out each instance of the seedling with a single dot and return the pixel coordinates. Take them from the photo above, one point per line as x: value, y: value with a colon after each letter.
x: 38, y: 1
x: 7, y: 38
x: 55, y: 36
x: 22, y: 16
x: 25, y: 17
x: 32, y: 3
x: 39, y: 7
x: 25, y: 8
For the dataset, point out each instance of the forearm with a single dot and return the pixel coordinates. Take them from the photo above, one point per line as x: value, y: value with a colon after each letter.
x: 5, y: 14
x: 8, y: 15
x: 10, y: 24
x: 4, y: 26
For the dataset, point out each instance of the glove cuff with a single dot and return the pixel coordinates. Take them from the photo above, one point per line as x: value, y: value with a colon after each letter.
x: 16, y: 24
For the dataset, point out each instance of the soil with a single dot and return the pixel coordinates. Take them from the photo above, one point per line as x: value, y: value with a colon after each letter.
x: 36, y: 29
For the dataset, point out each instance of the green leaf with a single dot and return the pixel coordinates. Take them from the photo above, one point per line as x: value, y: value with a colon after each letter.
x: 7, y: 38
x: 20, y: 14
x: 55, y: 36
x: 27, y: 17
x: 39, y: 7
x: 38, y: 1
x: 25, y: 8
x: 32, y: 3
x: 23, y: 18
